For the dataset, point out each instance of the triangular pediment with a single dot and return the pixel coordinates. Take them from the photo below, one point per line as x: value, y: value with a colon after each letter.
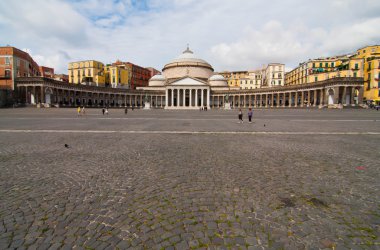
x: 188, y: 81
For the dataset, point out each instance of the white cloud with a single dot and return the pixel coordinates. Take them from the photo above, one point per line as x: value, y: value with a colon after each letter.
x: 230, y: 35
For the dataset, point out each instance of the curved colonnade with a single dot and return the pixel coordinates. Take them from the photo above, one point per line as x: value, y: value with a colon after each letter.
x: 346, y: 91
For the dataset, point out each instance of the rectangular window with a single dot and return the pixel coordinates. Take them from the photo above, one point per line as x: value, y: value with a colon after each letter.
x: 316, y: 79
x: 313, y: 65
x: 279, y: 82
x: 332, y: 64
x: 356, y: 66
x: 355, y: 74
x: 7, y: 73
x: 326, y: 65
x: 113, y: 79
x: 7, y: 61
x: 320, y: 65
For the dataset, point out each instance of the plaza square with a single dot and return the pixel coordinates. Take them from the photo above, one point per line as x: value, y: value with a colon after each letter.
x: 167, y: 179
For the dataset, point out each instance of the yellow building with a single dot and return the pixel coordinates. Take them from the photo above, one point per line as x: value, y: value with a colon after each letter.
x: 341, y: 67
x: 234, y: 78
x: 87, y: 72
x: 321, y: 69
x: 117, y: 76
x: 371, y: 57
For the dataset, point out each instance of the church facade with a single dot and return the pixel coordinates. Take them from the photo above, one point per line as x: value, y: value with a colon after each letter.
x: 187, y: 82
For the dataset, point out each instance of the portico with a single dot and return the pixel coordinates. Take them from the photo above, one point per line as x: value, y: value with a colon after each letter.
x: 187, y: 93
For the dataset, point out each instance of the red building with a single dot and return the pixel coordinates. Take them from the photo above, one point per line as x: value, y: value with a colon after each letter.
x: 139, y: 76
x: 153, y: 71
x: 61, y: 77
x: 15, y: 63
x: 46, y: 72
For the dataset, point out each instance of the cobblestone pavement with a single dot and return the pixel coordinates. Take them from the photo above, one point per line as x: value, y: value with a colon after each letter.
x: 162, y: 190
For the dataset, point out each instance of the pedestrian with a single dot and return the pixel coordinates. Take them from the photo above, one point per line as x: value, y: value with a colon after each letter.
x: 106, y: 111
x: 83, y: 111
x: 250, y: 113
x: 78, y: 111
x: 103, y: 110
x: 240, y: 116
x: 133, y: 107
x: 126, y: 110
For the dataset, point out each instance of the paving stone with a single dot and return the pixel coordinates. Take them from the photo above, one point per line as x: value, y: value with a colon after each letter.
x: 213, y: 190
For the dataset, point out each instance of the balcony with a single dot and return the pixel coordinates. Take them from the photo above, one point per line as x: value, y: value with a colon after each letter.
x: 5, y: 77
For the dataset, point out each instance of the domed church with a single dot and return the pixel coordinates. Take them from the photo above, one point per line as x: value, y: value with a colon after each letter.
x: 187, y: 81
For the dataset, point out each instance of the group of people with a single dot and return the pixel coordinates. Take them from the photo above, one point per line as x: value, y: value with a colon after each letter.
x: 250, y: 113
x: 81, y: 111
x: 105, y: 111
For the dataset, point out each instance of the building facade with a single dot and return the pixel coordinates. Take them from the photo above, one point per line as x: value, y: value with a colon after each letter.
x: 62, y: 77
x: 269, y: 76
x: 355, y: 65
x: 117, y: 76
x: 371, y: 72
x: 153, y: 71
x: 46, y: 71
x: 139, y: 76
x: 15, y: 63
x: 274, y: 75
x: 88, y: 72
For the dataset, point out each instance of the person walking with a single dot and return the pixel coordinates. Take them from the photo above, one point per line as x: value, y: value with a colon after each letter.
x: 250, y: 113
x: 106, y: 111
x: 83, y: 111
x: 103, y: 110
x: 240, y: 116
x: 78, y: 111
x: 126, y: 110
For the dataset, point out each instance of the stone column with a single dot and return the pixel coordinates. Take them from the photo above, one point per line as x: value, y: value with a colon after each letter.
x: 190, y: 98
x: 296, y: 99
x: 308, y: 98
x: 283, y: 99
x: 321, y: 100
x: 302, y: 98
x: 344, y: 95
x: 201, y: 97
x: 208, y: 98
x: 42, y: 95
x: 360, y: 96
x: 278, y: 100
x: 336, y: 95
x: 272, y: 100
x: 178, y: 97
x: 172, y: 91
x: 183, y: 97
x: 315, y: 98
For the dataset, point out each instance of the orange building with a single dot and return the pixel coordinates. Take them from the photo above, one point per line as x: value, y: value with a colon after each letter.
x: 15, y: 63
x: 46, y: 72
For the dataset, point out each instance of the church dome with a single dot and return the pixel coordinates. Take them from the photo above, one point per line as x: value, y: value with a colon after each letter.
x: 217, y: 80
x: 188, y: 64
x: 157, y: 80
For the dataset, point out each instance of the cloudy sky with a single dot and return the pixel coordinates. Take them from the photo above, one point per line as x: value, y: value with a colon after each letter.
x: 230, y: 35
